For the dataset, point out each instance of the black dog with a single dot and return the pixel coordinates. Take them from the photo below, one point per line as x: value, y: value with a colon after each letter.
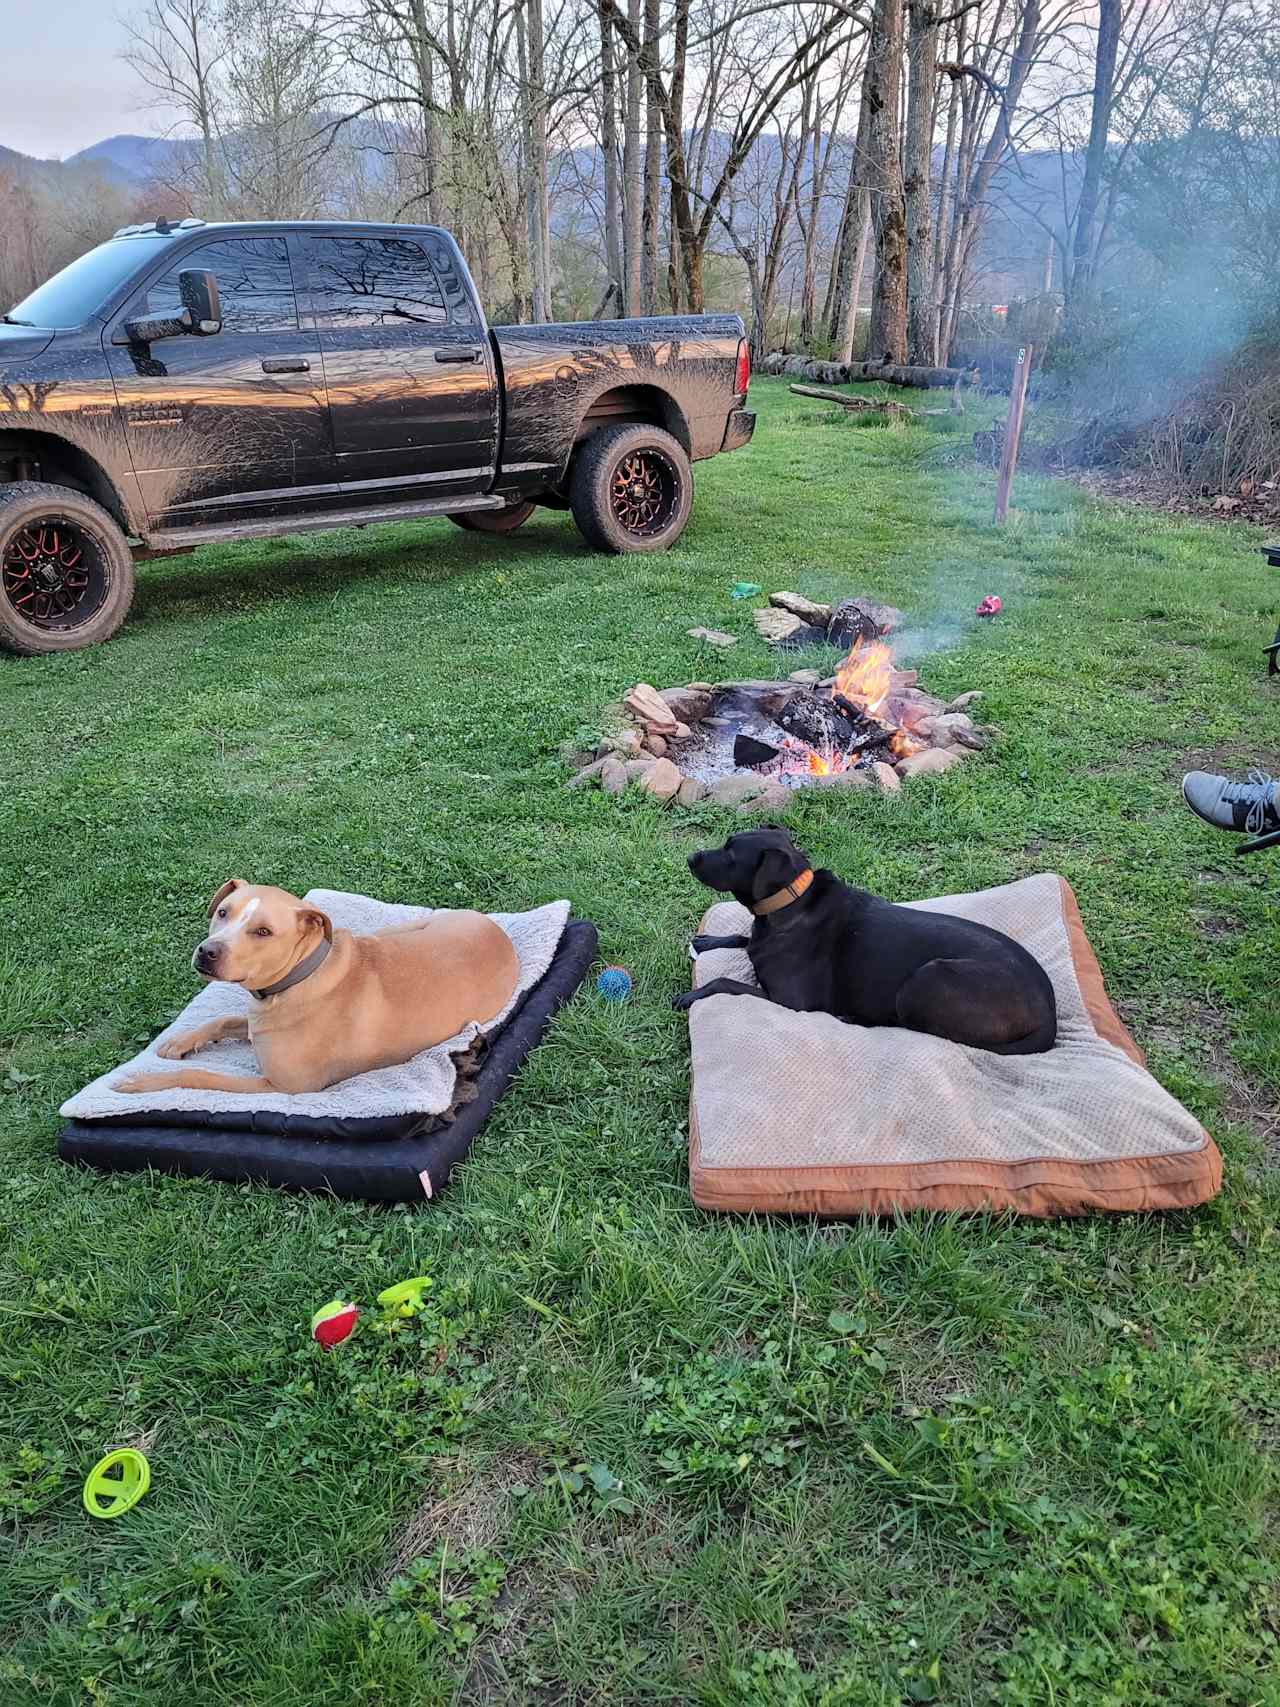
x: 820, y: 946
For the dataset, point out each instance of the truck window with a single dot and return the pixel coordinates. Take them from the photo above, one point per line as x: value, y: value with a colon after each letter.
x: 83, y: 287
x: 372, y: 281
x: 462, y: 308
x: 254, y: 283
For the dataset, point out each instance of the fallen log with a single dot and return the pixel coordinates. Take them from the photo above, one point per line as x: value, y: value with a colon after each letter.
x: 924, y: 378
x: 859, y: 405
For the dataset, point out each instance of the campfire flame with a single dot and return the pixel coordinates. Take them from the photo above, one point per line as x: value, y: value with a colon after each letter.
x: 866, y: 676
x: 865, y: 680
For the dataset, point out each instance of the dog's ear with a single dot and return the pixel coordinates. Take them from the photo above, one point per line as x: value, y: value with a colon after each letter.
x: 774, y: 870
x: 220, y: 897
x: 313, y: 919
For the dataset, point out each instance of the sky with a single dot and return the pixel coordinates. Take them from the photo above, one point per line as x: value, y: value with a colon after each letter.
x: 65, y: 85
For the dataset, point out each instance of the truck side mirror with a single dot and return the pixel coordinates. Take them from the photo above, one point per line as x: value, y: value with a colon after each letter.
x: 199, y: 293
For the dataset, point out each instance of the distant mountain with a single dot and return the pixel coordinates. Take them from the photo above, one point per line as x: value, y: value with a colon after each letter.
x: 1025, y: 200
x: 126, y: 157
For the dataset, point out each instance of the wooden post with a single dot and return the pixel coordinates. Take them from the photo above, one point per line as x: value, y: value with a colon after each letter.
x: 1012, y: 433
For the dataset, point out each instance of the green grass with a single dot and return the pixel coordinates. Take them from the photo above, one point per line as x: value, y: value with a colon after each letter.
x: 962, y: 1460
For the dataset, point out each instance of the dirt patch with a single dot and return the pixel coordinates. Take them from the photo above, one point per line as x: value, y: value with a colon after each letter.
x: 1217, y: 927
x: 1143, y: 488
x: 1228, y: 758
x: 471, y: 1514
x: 1204, y: 1034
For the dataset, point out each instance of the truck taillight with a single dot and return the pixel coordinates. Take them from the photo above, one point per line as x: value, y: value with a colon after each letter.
x: 742, y: 378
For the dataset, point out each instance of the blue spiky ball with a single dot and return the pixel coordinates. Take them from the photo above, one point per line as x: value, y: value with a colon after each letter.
x: 614, y: 983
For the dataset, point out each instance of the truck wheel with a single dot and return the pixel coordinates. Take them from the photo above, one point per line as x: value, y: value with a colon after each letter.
x: 494, y: 521
x: 631, y: 489
x: 66, y: 571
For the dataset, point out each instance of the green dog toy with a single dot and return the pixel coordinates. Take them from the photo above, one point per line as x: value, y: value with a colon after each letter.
x: 405, y: 1298
x: 116, y: 1483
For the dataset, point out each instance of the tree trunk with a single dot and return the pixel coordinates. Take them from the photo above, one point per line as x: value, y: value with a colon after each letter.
x: 632, y: 176
x: 652, y: 161
x: 809, y: 279
x: 849, y: 326
x: 840, y: 257
x: 917, y: 187
x: 536, y: 113
x: 677, y: 172
x: 902, y: 373
x: 881, y: 90
x: 1079, y: 281
x: 426, y: 94
x: 971, y: 207
x: 853, y: 247
x: 944, y: 199
x: 609, y: 148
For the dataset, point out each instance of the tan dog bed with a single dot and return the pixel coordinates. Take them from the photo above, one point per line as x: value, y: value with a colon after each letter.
x: 805, y: 1114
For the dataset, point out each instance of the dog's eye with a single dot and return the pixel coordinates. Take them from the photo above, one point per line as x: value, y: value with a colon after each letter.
x: 222, y: 912
x: 262, y: 931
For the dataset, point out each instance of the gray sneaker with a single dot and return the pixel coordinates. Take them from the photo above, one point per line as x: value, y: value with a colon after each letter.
x: 1246, y: 806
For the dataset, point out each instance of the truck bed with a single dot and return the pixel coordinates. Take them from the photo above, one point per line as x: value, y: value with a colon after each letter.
x: 559, y: 379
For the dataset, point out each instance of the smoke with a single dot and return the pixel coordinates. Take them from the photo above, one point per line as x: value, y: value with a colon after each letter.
x: 925, y: 640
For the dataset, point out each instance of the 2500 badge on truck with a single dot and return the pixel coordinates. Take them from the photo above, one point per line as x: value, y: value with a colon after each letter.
x: 186, y: 384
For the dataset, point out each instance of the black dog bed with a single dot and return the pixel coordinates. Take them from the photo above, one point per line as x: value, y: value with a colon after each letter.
x: 384, y: 1160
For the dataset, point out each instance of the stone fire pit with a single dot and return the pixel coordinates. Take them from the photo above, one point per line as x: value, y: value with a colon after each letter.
x: 751, y: 744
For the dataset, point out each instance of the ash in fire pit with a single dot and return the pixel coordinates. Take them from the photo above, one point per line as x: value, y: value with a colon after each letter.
x: 750, y: 743
x: 794, y: 733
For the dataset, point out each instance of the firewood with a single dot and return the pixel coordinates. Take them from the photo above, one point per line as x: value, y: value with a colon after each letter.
x: 857, y: 405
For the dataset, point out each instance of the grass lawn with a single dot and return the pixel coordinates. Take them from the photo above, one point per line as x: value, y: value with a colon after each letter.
x: 955, y: 1460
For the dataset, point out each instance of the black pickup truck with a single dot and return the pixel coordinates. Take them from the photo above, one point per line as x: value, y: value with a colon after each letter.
x: 188, y: 383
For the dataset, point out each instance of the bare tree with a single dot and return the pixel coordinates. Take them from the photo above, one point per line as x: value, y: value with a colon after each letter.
x: 922, y: 59
x: 632, y: 172
x: 1108, y: 44
x: 882, y: 79
x: 175, y: 48
x: 609, y: 150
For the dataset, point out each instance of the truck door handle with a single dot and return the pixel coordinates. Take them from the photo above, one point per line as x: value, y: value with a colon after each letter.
x: 457, y: 355
x: 286, y: 364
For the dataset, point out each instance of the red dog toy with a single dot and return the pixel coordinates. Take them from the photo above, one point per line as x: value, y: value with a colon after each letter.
x: 332, y: 1323
x: 989, y: 606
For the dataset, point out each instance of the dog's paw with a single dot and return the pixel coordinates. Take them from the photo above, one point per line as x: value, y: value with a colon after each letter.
x: 178, y: 1048
x: 138, y: 1084
x: 680, y: 1003
x: 700, y: 944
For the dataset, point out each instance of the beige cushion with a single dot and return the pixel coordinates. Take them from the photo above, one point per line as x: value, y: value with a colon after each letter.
x: 803, y: 1113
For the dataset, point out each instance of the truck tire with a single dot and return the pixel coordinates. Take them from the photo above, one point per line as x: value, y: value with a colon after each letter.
x: 631, y: 489
x: 66, y: 571
x: 494, y: 521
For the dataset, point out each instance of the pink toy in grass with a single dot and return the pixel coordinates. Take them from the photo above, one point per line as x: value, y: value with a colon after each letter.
x: 990, y: 606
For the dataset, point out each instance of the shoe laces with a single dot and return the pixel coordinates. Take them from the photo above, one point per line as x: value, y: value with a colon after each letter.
x: 1260, y: 791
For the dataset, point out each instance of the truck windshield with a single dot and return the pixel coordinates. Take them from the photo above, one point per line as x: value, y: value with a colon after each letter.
x: 71, y: 296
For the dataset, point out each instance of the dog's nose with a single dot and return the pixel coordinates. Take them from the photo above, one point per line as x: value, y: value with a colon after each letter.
x: 205, y: 957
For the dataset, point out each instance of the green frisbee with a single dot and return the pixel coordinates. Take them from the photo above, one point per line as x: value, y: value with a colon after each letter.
x: 116, y: 1483
x: 405, y: 1298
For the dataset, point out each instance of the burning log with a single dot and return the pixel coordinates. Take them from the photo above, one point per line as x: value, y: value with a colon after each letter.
x: 750, y: 754
x: 818, y: 721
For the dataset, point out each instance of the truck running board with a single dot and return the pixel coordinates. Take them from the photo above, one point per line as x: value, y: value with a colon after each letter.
x: 314, y: 521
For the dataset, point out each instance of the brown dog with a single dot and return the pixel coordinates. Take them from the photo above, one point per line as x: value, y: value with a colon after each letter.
x: 329, y: 1005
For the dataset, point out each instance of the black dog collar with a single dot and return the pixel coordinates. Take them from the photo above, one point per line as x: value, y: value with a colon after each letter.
x: 313, y: 962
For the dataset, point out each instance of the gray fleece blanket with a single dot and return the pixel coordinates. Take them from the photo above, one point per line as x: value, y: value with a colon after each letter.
x: 426, y: 1084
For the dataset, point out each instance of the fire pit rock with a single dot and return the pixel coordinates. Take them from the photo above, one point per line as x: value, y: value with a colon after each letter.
x: 789, y: 619
x: 752, y: 744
